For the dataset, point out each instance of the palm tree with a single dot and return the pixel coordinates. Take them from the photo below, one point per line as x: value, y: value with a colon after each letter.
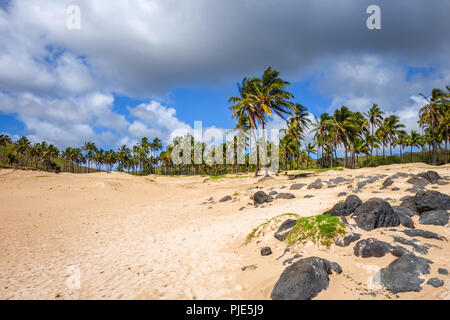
x: 320, y: 130
x: 22, y: 147
x: 413, y: 140
x: 375, y: 117
x: 260, y: 98
x: 430, y: 116
x: 310, y: 149
x: 400, y: 141
x: 4, y: 141
x: 392, y: 128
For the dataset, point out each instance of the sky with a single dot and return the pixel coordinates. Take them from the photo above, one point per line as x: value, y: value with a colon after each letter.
x: 146, y: 68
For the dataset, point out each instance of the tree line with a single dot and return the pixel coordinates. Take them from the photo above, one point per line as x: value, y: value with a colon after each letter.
x: 358, y: 135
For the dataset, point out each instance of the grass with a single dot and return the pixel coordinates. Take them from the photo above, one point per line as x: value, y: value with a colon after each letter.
x: 256, y: 232
x: 320, y: 229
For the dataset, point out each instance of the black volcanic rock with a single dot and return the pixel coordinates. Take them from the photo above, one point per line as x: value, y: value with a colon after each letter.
x: 304, y: 279
x: 431, y: 200
x: 375, y: 213
x: 403, y: 274
x: 434, y: 217
x: 261, y: 197
x: 345, y: 208
x: 284, y: 229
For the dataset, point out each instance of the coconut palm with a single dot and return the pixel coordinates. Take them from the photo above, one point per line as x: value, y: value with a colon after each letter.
x: 413, y: 140
x: 375, y: 117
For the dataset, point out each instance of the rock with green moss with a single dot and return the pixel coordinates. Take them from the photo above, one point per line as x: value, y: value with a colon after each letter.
x: 320, y: 229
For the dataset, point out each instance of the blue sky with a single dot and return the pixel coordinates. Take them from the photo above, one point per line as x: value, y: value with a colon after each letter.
x: 147, y: 68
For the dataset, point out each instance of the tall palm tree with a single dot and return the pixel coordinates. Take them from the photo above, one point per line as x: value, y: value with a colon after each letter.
x: 375, y: 117
x: 4, y: 141
x: 413, y: 140
x: 392, y: 127
x: 310, y: 149
x: 262, y: 98
x: 430, y: 116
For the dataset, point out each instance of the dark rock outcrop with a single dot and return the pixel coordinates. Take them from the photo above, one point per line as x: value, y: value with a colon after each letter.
x: 345, y: 208
x: 409, y: 202
x: 297, y: 186
x: 284, y: 229
x: 388, y: 182
x: 431, y: 200
x: 430, y: 176
x: 403, y: 274
x: 403, y: 210
x: 226, y: 198
x: 315, y: 184
x: 423, y: 233
x: 418, y: 182
x: 285, y: 195
x: 304, y: 279
x: 418, y: 246
x: 345, y: 242
x: 261, y: 197
x: 434, y: 217
x: 375, y: 213
x: 435, y: 282
x: 372, y: 247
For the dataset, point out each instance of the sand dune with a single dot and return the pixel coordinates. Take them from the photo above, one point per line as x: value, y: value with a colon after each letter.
x: 160, y: 237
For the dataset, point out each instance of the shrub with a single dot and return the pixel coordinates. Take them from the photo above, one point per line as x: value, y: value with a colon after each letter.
x: 318, y: 229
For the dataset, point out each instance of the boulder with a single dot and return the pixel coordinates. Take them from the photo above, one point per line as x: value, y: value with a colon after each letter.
x: 261, y: 197
x: 273, y: 193
x: 285, y: 195
x: 304, y: 279
x: 431, y: 176
x: 409, y: 202
x: 403, y: 274
x: 266, y: 251
x: 371, y: 248
x: 375, y: 213
x: 284, y: 229
x: 226, y: 198
x: 345, y: 242
x: 418, y: 182
x: 431, y: 200
x: 434, y: 217
x: 435, y: 282
x: 342, y: 194
x: 403, y: 210
x: 315, y: 185
x: 345, y: 208
x: 297, y: 186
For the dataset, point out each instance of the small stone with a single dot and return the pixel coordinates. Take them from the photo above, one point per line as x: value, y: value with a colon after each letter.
x: 435, y: 282
x: 266, y: 251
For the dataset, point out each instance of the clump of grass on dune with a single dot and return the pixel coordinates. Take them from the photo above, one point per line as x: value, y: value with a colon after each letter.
x: 256, y: 232
x: 320, y: 229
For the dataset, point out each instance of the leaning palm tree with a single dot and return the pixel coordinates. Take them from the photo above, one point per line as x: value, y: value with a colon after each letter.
x: 262, y: 98
x: 310, y: 149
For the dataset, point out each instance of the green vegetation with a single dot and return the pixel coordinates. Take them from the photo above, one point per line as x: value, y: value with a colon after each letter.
x: 257, y: 232
x: 320, y: 229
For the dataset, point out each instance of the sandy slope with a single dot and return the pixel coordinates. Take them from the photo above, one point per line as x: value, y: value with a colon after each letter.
x: 154, y: 238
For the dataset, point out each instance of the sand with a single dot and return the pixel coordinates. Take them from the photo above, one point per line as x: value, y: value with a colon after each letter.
x: 160, y: 238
